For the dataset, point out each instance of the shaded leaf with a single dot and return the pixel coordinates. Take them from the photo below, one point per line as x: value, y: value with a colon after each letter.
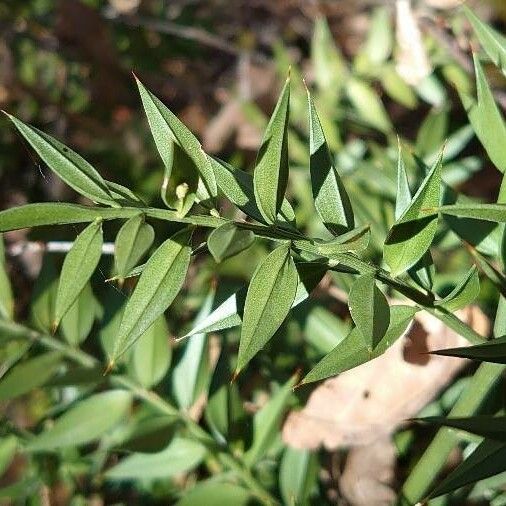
x: 487, y: 426
x: 188, y: 371
x: 403, y: 195
x: 266, y: 423
x: 182, y: 455
x: 134, y: 239
x: 6, y: 298
x: 491, y: 351
x: 488, y: 459
x: 369, y: 309
x: 29, y: 375
x: 413, y: 233
x: 213, y: 492
x: 78, y: 320
x: 228, y: 240
x: 492, y: 41
x: 270, y: 296
x: 161, y: 280
x: 86, y: 421
x: 271, y: 169
x: 79, y: 264
x: 298, y: 473
x: 67, y: 164
x: 44, y: 295
x: 464, y: 293
x: 330, y: 198
x: 151, y: 354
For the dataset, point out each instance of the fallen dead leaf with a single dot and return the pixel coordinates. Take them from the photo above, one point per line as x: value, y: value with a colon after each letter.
x: 412, y: 61
x: 369, y: 473
x: 371, y: 401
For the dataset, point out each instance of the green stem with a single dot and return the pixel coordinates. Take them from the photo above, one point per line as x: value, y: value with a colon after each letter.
x: 435, y: 456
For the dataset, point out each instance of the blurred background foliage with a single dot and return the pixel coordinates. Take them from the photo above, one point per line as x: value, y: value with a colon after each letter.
x: 65, y: 67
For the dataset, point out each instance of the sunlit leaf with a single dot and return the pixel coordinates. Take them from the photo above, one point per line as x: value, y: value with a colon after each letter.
x: 214, y: 492
x: 271, y: 169
x: 78, y: 267
x: 67, y: 164
x: 493, y: 42
x: 298, y: 472
x: 6, y: 298
x: 270, y: 296
x: 352, y: 351
x: 330, y: 198
x: 166, y: 127
x: 160, y: 282
x: 413, y: 233
x: 369, y: 309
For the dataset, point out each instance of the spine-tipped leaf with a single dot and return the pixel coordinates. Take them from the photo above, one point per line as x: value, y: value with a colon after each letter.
x: 67, y: 164
x: 228, y: 240
x: 413, y: 233
x: 161, y: 280
x: 134, y: 239
x: 165, y: 128
x: 271, y: 172
x: 78, y: 267
x: 270, y: 296
x: 369, y: 309
x: 331, y: 200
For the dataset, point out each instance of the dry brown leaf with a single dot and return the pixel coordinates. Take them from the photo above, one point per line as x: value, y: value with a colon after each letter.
x: 369, y: 402
x: 412, y: 61
x: 369, y: 473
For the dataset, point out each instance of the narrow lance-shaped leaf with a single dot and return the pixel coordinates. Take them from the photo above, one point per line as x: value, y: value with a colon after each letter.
x: 78, y: 320
x: 67, y: 164
x: 298, y: 473
x: 369, y: 309
x: 488, y: 459
x: 44, y: 295
x: 487, y: 426
x: 6, y: 299
x: 165, y: 126
x: 78, y: 267
x: 403, y: 197
x: 134, y: 239
x: 151, y: 354
x: 486, y: 119
x: 488, y: 212
x: 228, y: 240
x: 492, y: 41
x: 230, y: 312
x: 354, y: 240
x: 464, y: 293
x: 187, y: 374
x: 413, y: 233
x: 270, y: 296
x: 330, y: 198
x: 266, y: 423
x: 352, y: 351
x: 87, y: 421
x: 160, y: 282
x: 271, y: 171
x: 29, y: 375
x: 181, y: 183
x: 237, y: 186
x: 491, y: 351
